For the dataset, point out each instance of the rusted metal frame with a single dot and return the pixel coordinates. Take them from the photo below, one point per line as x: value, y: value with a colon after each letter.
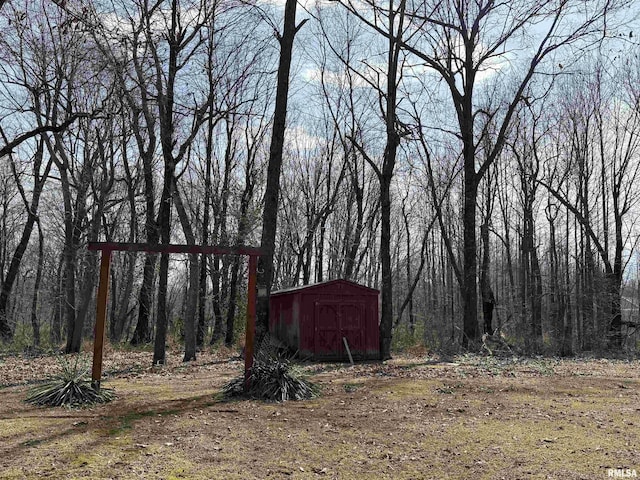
x: 103, y: 289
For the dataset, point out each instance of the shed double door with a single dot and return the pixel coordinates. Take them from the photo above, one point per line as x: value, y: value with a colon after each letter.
x: 334, y: 320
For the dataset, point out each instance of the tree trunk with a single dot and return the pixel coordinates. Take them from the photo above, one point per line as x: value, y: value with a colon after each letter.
x: 162, y: 321
x: 229, y: 336
x: 469, y: 293
x: 121, y: 307
x: 614, y: 312
x: 35, y: 323
x: 221, y: 264
x: 86, y: 291
x: 353, y: 240
x: 536, y: 298
x: 142, y: 333
x: 245, y: 200
x: 164, y: 224
x: 556, y: 301
x: 614, y: 280
x: 385, y: 176
x: 488, y: 299
x: 120, y: 310
x: 204, y: 259
x: 217, y: 310
x: 567, y: 336
x: 320, y: 251
x: 407, y: 229
x: 91, y: 269
x: 190, y: 320
x: 55, y: 336
x: 6, y: 332
x: 202, y: 301
x: 69, y: 295
x: 16, y: 260
x: 386, y: 317
x: 72, y: 229
x: 588, y: 296
x: 272, y: 190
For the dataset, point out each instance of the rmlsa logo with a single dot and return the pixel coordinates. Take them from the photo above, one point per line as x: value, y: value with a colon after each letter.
x: 621, y: 473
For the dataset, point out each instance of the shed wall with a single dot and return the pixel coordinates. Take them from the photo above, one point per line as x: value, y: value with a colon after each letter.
x: 314, y: 320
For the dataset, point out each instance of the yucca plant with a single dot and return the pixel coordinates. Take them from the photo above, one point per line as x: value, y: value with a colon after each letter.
x: 71, y: 387
x: 273, y: 377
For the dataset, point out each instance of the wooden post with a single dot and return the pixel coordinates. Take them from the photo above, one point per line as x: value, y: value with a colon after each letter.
x: 250, y: 330
x: 101, y: 315
x: 346, y: 345
x: 101, y: 303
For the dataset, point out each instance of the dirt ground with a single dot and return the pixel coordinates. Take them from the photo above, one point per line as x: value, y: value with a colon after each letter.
x: 414, y: 417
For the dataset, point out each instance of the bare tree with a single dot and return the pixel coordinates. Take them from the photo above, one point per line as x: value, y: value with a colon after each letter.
x: 32, y: 76
x: 272, y: 189
x: 385, y: 84
x: 604, y: 131
x: 461, y: 40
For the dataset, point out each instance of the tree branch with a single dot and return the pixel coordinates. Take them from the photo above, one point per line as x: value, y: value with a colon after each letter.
x: 8, y: 148
x: 583, y: 221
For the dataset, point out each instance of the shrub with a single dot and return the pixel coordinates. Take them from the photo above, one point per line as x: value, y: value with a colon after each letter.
x: 71, y: 387
x: 273, y: 377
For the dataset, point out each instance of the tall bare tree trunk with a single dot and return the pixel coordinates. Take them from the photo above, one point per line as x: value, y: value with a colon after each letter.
x: 272, y: 190
x: 190, y: 320
x: 470, y: 331
x: 164, y: 223
x: 488, y: 298
x: 55, y: 336
x: 243, y: 227
x: 567, y: 337
x: 35, y: 322
x: 9, y: 279
x: 142, y: 333
x: 204, y: 261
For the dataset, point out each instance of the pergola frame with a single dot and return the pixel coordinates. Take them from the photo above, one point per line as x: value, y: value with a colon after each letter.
x: 103, y: 289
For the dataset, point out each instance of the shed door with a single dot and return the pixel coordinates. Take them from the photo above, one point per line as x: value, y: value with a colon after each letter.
x: 334, y: 320
x: 327, y: 328
x: 352, y: 325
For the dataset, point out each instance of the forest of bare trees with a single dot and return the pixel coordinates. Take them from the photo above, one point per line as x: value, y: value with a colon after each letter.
x: 476, y: 160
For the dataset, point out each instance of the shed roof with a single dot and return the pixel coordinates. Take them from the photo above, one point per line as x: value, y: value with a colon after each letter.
x: 320, y: 285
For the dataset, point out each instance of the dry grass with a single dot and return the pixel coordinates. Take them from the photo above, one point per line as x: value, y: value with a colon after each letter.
x: 410, y: 418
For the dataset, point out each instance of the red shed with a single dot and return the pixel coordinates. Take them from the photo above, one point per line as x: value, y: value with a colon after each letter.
x: 313, y: 319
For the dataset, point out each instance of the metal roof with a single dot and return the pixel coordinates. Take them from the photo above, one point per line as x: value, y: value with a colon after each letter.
x: 321, y: 284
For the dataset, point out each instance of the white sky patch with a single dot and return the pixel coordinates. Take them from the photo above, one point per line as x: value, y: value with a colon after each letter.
x: 159, y: 22
x: 487, y: 68
x: 378, y: 76
x: 114, y: 23
x: 302, y: 4
x: 298, y: 138
x: 338, y: 79
x: 492, y: 67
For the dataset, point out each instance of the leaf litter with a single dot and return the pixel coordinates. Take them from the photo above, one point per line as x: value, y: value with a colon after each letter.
x: 411, y: 417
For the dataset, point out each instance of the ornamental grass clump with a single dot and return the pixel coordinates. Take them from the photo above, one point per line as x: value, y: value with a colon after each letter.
x: 273, y: 377
x: 70, y: 388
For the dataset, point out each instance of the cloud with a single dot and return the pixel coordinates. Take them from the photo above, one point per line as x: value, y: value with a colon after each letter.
x: 337, y: 79
x: 299, y: 139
